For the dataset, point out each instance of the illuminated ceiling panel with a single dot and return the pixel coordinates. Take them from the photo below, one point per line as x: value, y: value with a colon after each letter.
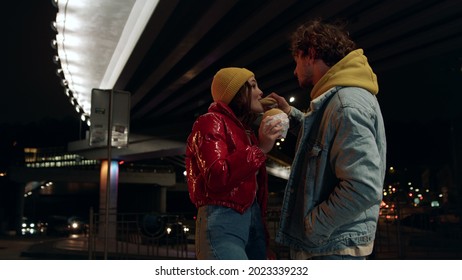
x: 94, y: 40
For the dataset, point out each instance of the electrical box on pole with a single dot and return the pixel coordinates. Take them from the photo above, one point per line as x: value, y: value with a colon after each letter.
x: 109, y: 108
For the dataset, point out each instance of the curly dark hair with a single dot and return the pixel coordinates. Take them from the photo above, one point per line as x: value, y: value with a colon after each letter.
x: 240, y: 105
x: 330, y: 41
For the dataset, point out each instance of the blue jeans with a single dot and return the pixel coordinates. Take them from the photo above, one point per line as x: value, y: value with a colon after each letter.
x: 224, y: 234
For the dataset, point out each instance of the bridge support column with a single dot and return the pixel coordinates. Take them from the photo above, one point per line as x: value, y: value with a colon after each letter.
x: 108, y: 200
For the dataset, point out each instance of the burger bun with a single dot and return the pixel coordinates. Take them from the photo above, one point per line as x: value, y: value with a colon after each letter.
x: 272, y: 112
x: 268, y: 102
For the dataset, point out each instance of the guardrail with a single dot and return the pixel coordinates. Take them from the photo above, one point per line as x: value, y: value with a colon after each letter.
x: 139, y: 236
x: 170, y: 236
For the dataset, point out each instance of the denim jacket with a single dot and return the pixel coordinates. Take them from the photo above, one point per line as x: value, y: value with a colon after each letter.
x: 333, y: 193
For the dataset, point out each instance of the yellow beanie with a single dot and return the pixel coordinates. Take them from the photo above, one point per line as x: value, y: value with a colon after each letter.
x: 227, y: 82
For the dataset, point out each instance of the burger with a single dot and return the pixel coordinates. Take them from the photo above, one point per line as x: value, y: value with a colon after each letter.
x: 272, y: 112
x: 268, y: 102
x: 278, y: 114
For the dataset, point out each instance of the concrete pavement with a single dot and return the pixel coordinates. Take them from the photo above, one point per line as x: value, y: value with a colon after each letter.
x: 40, y: 248
x: 11, y: 249
x: 76, y: 248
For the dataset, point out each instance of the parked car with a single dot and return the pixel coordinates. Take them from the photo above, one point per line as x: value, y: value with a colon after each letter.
x: 31, y: 227
x: 163, y: 228
x: 64, y: 226
x: 77, y: 225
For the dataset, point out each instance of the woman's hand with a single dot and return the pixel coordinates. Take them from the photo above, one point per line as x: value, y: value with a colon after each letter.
x: 269, y: 131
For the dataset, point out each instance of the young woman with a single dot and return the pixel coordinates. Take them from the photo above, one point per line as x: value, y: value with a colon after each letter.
x: 226, y: 172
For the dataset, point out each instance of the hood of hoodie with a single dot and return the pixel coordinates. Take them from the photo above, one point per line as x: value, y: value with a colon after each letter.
x: 353, y: 70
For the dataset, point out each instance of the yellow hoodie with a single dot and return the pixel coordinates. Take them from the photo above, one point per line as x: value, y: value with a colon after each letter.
x: 353, y: 70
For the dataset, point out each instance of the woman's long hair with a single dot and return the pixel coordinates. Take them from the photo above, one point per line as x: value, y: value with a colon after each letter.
x: 240, y: 105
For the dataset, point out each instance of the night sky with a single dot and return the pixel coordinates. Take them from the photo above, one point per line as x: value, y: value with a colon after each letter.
x: 35, y: 108
x: 34, y: 89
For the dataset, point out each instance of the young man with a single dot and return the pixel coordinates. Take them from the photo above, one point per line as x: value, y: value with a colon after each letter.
x: 332, y: 199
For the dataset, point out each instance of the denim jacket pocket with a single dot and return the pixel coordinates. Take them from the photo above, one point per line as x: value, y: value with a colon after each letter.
x: 314, y: 158
x: 311, y: 236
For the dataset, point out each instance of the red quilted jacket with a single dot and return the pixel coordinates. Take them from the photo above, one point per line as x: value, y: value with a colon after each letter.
x: 224, y: 164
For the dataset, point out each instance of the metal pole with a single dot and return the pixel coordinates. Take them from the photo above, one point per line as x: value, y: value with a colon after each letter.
x: 91, y: 235
x: 108, y: 183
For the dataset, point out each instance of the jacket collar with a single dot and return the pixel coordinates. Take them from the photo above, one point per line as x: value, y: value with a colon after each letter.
x: 222, y: 108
